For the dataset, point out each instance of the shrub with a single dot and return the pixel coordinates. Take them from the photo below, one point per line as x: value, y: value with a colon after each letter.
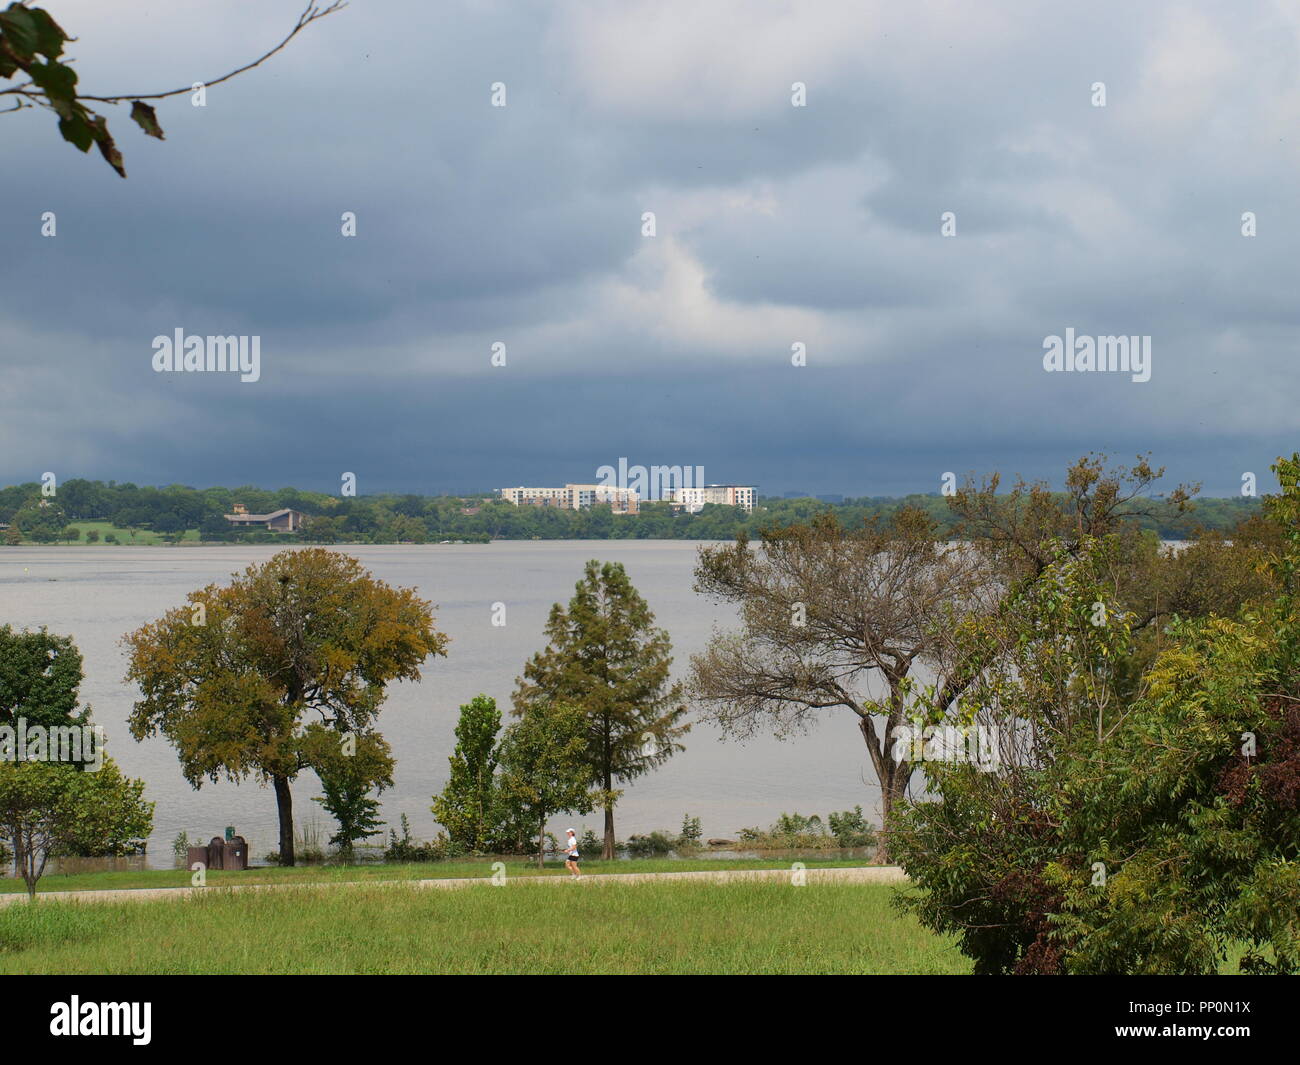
x: 406, y: 848
x: 851, y: 829
x: 652, y: 845
x: 181, y: 844
x: 590, y: 843
x: 796, y: 832
x: 1139, y: 828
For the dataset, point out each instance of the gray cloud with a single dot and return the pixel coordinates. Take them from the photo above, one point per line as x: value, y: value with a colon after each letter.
x: 775, y: 224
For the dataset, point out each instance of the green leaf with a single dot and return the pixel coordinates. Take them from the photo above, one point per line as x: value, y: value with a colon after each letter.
x: 20, y: 30
x: 49, y: 34
x: 77, y: 131
x: 59, y: 83
x: 145, y: 117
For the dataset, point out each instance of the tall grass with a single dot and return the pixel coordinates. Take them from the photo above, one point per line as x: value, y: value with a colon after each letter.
x: 593, y: 926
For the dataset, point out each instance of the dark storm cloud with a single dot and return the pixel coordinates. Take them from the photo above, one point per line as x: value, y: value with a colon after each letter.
x: 775, y: 224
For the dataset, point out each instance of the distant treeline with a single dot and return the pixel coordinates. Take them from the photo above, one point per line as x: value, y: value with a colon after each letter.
x: 172, y: 511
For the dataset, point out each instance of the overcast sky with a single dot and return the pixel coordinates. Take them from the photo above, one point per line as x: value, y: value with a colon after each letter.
x: 774, y: 225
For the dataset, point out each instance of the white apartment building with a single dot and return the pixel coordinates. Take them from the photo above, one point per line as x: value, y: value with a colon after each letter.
x: 574, y: 497
x: 536, y: 497
x: 727, y: 495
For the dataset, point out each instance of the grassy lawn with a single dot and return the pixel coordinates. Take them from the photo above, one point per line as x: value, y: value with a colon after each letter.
x: 596, y: 926
x: 145, y: 537
x: 309, y: 874
x: 126, y: 536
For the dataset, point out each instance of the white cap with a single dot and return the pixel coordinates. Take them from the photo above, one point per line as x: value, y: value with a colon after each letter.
x: 570, y: 831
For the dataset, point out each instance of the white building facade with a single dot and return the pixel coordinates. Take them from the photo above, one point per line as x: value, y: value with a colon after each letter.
x: 728, y: 495
x: 575, y: 497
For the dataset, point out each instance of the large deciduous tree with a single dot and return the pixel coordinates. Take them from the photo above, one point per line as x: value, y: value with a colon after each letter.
x: 853, y: 618
x: 832, y: 618
x: 245, y: 679
x: 607, y: 659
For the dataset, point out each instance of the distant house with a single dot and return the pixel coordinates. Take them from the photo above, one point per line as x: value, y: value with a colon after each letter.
x: 284, y: 520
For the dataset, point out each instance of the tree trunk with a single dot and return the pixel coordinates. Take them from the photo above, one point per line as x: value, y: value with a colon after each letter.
x: 16, y: 834
x: 541, y: 842
x: 607, y: 767
x: 284, y: 804
x: 607, y: 852
x: 893, y: 789
x: 892, y: 775
x: 30, y: 876
x: 31, y: 869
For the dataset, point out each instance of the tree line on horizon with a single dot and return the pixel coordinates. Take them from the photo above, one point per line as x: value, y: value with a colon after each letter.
x: 173, y: 512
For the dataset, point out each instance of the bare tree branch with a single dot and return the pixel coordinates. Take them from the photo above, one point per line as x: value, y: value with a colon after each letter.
x: 311, y: 14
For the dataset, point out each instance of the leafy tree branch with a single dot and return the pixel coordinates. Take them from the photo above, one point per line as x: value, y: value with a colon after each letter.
x: 32, y: 43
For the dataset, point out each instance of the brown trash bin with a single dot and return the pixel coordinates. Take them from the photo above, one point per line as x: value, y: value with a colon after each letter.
x: 194, y: 855
x: 234, y: 854
x: 216, y: 853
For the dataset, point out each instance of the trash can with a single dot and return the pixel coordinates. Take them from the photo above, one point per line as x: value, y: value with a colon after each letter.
x: 234, y: 855
x: 216, y: 853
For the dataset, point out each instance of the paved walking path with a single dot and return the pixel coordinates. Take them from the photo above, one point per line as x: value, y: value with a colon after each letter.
x: 861, y: 874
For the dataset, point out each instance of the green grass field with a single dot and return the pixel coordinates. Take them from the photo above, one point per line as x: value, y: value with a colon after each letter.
x: 594, y: 926
x: 126, y: 536
x: 333, y: 874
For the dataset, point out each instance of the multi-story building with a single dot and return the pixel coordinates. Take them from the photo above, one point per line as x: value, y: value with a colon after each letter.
x: 620, y: 500
x: 728, y: 495
x: 536, y: 497
x: 575, y: 497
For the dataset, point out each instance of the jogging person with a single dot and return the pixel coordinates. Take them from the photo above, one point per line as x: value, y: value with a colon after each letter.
x: 571, y: 855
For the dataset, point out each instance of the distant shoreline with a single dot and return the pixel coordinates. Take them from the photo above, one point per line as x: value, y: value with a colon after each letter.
x: 92, y: 512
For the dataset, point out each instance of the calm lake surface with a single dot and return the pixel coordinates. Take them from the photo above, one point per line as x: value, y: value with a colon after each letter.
x: 98, y: 594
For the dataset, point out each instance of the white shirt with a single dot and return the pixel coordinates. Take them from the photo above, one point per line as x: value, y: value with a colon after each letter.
x: 572, y: 845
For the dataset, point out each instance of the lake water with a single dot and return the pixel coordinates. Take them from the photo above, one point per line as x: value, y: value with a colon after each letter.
x: 98, y: 594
